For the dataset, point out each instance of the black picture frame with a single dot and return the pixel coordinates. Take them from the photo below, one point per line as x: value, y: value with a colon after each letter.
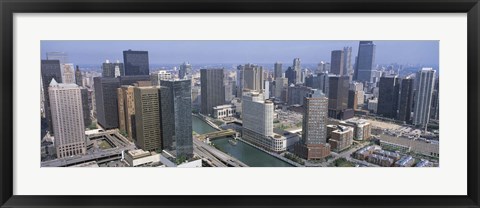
x: 10, y: 7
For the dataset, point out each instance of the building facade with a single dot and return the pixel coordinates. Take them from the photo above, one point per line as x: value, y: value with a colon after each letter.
x: 148, y: 132
x: 365, y: 61
x: 50, y: 69
x: 336, y: 63
x: 212, y: 89
x: 106, y: 103
x: 425, y: 79
x: 67, y: 119
x: 136, y: 62
x: 388, y: 96
x: 112, y: 69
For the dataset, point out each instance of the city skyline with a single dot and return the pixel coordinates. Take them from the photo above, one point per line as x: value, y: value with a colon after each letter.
x: 85, y: 52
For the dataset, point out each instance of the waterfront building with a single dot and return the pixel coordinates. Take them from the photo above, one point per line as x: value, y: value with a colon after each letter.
x: 136, y: 62
x: 67, y: 119
x: 212, y: 89
x: 176, y: 117
x: 257, y: 118
x: 223, y: 111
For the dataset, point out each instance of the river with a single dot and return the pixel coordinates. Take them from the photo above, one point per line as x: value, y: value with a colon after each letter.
x: 242, y: 151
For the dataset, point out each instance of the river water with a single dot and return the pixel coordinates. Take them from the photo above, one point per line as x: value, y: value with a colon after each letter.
x: 242, y: 151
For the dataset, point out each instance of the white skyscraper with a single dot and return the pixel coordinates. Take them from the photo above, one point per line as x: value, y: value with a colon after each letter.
x: 67, y: 119
x: 257, y: 115
x: 425, y: 81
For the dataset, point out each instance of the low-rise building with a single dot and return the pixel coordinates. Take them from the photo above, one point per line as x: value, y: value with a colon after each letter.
x: 424, y: 163
x: 393, y: 155
x: 363, y: 153
x: 140, y: 157
x: 362, y: 128
x: 372, y: 105
x: 341, y: 137
x: 223, y: 111
x: 380, y: 160
x: 405, y: 161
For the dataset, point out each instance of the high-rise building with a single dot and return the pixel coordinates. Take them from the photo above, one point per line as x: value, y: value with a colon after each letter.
x: 298, y: 70
x: 148, y: 132
x: 131, y: 80
x: 297, y: 93
x: 136, y: 62
x: 50, y: 69
x: 87, y: 120
x: 319, y: 81
x: 126, y: 110
x: 253, y: 77
x: 341, y: 137
x: 78, y: 77
x: 425, y: 79
x: 365, y: 61
x: 257, y: 118
x: 62, y: 57
x: 212, y: 89
x: 68, y: 73
x: 112, y: 69
x: 388, y: 94
x: 406, y: 99
x: 185, y: 70
x: 352, y: 99
x: 291, y: 75
x: 278, y: 71
x: 313, y: 144
x: 240, y: 80
x: 176, y: 114
x: 336, y: 63
x: 106, y: 103
x: 347, y: 60
x: 281, y: 84
x: 338, y: 96
x: 67, y: 119
x: 434, y: 114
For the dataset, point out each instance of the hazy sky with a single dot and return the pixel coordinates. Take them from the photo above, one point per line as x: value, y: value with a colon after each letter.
x: 206, y: 51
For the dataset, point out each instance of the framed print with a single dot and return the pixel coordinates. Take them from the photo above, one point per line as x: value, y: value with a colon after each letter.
x: 247, y: 104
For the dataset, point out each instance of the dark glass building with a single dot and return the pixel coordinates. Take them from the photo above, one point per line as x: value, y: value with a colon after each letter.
x: 278, y: 71
x: 388, y: 92
x: 130, y: 80
x: 176, y: 117
x: 50, y: 69
x: 336, y: 63
x: 291, y: 75
x: 364, y: 61
x: 108, y: 69
x: 406, y: 100
x: 136, y: 62
x: 106, y: 101
x: 86, y: 108
x: 212, y: 89
x: 78, y: 77
x: 338, y: 96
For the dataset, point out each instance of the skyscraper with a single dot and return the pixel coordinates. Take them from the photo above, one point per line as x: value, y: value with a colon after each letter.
x: 257, y: 117
x: 425, y: 79
x: 389, y: 88
x: 347, y: 60
x: 62, y: 57
x: 336, y: 63
x: 78, y: 77
x: 147, y: 118
x: 126, y: 107
x: 176, y: 114
x: 106, y: 101
x: 313, y: 144
x: 68, y: 73
x: 185, y: 69
x: 337, y: 96
x: 281, y: 84
x: 112, y: 69
x: 434, y: 114
x: 85, y: 106
x: 67, y: 119
x: 365, y: 61
x: 406, y: 99
x: 291, y: 75
x: 298, y: 70
x: 50, y: 69
x: 253, y: 77
x: 136, y: 62
x: 239, y: 76
x: 278, y: 71
x: 212, y: 89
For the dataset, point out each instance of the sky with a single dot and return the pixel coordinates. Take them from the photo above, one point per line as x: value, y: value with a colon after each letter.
x: 239, y: 51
